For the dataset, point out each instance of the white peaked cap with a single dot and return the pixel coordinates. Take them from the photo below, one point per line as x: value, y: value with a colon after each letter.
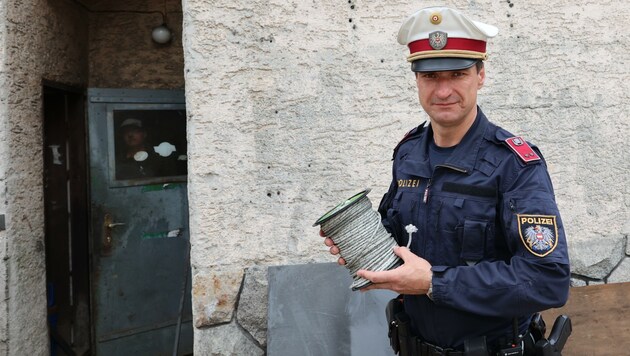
x: 446, y: 36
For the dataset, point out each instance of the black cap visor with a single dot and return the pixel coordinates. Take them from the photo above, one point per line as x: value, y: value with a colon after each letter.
x: 441, y: 64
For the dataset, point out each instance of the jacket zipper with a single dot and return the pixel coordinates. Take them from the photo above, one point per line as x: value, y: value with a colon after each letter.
x: 425, y: 198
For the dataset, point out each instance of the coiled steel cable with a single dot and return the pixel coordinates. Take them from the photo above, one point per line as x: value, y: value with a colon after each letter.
x: 362, y: 240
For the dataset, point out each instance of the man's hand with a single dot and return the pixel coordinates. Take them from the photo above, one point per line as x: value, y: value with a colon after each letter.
x: 412, y: 277
x: 333, y: 248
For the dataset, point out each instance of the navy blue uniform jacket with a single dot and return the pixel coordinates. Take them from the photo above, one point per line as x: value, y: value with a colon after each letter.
x: 488, y: 224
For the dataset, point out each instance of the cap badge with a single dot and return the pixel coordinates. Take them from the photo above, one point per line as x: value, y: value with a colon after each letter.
x: 438, y: 39
x: 436, y: 18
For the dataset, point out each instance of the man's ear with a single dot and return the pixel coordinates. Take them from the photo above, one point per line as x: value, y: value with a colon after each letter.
x: 482, y: 77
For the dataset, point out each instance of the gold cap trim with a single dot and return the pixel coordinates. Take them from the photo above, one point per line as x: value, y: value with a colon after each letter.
x: 447, y: 53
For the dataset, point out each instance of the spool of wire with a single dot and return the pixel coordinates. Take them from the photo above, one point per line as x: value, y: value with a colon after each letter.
x: 362, y: 240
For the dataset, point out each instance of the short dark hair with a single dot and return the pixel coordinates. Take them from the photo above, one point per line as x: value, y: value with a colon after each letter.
x: 479, y: 65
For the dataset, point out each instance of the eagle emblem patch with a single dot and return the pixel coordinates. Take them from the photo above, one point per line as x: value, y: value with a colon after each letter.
x: 539, y: 233
x: 438, y: 39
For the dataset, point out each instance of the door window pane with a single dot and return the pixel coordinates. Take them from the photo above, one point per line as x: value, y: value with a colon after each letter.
x: 150, y: 145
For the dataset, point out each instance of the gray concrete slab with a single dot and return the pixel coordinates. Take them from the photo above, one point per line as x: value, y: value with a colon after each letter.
x: 312, y: 311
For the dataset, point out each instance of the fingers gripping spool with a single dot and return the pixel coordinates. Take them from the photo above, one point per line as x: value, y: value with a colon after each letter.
x: 362, y: 240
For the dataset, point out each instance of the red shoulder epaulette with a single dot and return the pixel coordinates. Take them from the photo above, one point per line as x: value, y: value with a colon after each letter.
x: 522, y: 149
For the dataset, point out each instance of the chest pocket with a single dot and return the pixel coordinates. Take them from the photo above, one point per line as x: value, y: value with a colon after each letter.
x: 404, y: 211
x: 466, y: 218
x: 411, y: 181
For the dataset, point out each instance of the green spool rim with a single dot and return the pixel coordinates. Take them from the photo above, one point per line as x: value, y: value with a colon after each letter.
x: 341, y: 207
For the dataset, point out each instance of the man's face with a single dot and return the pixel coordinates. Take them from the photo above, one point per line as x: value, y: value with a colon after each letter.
x: 134, y: 136
x: 450, y: 97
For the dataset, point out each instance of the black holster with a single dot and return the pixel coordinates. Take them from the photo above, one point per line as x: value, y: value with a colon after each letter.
x: 560, y: 332
x: 399, y: 327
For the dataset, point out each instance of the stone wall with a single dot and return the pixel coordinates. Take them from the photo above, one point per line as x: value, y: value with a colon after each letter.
x: 294, y: 106
x: 121, y: 51
x: 40, y: 40
x: 4, y: 92
x: 52, y: 40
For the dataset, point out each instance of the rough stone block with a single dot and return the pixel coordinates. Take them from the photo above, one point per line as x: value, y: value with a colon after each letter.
x: 621, y: 273
x: 575, y: 282
x: 596, y: 282
x: 597, y: 257
x: 214, y: 296
x: 227, y: 339
x: 252, y: 306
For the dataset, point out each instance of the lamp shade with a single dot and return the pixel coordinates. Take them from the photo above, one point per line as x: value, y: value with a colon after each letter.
x: 161, y: 34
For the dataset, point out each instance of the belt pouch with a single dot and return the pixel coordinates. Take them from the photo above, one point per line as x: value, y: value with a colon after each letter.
x: 476, y: 347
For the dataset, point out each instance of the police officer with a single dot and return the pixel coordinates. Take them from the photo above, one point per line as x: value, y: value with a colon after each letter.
x: 490, y: 250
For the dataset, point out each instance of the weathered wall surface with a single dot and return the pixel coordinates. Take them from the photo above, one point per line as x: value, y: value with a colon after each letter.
x: 4, y: 347
x: 48, y: 40
x: 40, y: 40
x: 122, y: 53
x: 294, y: 106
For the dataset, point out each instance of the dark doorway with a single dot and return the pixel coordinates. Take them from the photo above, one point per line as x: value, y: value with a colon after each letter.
x: 66, y: 220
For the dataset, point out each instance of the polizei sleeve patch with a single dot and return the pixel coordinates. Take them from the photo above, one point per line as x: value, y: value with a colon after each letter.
x: 539, y: 233
x: 522, y: 149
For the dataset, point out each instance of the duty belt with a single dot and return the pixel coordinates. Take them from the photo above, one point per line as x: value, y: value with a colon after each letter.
x: 401, y: 339
x: 425, y: 349
x: 406, y: 344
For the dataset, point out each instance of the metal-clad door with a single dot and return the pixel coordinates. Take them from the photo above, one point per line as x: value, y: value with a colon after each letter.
x: 139, y: 222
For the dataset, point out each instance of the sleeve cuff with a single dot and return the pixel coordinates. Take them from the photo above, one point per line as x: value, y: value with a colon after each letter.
x: 437, y: 289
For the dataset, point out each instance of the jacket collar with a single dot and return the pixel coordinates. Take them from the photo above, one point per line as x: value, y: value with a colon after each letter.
x: 466, y: 152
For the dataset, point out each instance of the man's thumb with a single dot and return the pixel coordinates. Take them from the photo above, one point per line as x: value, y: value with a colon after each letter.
x: 402, y: 252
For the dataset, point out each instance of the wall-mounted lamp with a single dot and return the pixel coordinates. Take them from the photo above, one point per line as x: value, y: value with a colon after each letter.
x: 161, y: 34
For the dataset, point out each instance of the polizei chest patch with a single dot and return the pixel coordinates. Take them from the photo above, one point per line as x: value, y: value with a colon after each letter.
x: 539, y: 233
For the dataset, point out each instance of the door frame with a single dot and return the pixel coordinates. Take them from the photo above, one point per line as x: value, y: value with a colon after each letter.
x: 67, y: 245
